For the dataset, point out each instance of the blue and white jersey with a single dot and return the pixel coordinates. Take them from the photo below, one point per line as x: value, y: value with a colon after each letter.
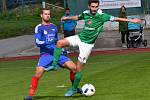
x: 46, y: 38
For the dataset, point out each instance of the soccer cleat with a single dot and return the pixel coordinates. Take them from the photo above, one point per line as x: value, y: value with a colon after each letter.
x: 79, y: 90
x: 70, y: 92
x: 28, y: 98
x: 52, y: 68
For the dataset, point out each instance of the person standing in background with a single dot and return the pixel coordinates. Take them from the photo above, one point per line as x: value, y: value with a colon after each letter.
x: 68, y: 27
x: 123, y: 27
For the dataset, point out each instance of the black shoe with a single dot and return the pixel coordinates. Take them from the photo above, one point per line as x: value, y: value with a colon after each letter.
x: 28, y: 98
x: 79, y: 90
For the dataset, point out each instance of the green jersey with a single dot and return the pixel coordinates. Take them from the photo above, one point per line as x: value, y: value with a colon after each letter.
x: 93, y: 25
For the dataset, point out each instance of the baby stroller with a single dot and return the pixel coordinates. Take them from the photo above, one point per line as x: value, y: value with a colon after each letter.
x: 136, y: 34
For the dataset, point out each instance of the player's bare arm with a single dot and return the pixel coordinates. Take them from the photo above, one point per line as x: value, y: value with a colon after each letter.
x: 128, y: 20
x: 61, y: 27
x: 70, y: 18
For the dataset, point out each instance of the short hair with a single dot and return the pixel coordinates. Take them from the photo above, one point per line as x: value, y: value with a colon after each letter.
x: 93, y: 1
x: 67, y: 9
x: 41, y: 11
x: 123, y: 7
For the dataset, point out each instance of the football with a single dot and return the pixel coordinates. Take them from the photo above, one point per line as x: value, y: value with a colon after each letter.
x: 88, y: 89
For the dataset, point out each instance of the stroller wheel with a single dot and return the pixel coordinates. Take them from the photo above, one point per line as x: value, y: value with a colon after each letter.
x: 145, y: 43
x: 134, y: 46
x: 128, y: 45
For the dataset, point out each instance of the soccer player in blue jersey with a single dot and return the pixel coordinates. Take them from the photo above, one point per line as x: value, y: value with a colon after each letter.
x: 46, y: 38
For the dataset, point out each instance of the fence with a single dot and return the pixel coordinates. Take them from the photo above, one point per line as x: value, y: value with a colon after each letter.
x: 78, y: 6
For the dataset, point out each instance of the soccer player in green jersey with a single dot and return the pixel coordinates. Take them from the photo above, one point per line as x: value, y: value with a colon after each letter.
x: 94, y: 20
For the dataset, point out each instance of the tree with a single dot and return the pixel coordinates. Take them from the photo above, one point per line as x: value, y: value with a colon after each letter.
x: 4, y: 6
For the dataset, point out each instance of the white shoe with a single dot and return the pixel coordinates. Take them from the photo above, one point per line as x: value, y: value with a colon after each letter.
x: 124, y: 45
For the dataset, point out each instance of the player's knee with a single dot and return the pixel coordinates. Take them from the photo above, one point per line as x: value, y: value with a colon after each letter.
x: 39, y: 71
x: 74, y: 69
x: 60, y: 43
x: 82, y: 60
x: 38, y: 74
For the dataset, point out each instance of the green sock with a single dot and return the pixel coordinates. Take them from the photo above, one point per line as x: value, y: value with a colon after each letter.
x: 57, y: 53
x: 78, y: 77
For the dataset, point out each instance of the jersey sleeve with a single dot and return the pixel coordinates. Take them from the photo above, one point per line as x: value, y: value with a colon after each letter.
x: 107, y: 17
x: 38, y: 37
x: 81, y: 16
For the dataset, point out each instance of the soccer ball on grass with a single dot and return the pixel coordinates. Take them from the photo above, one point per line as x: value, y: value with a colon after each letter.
x: 88, y: 89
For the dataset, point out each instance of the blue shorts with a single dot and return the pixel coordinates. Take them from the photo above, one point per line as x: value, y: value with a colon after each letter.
x: 47, y: 59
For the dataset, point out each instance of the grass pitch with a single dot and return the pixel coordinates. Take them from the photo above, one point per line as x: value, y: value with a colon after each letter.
x: 115, y: 77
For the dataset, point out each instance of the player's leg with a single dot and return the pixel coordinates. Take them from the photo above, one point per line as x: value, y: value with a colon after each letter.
x: 34, y: 82
x: 65, y: 61
x: 127, y: 37
x: 44, y: 61
x: 73, y: 41
x: 72, y: 67
x: 76, y: 77
x: 72, y: 76
x: 62, y: 43
x: 75, y: 80
x: 35, y: 79
x: 123, y: 39
x: 83, y: 56
x: 74, y: 89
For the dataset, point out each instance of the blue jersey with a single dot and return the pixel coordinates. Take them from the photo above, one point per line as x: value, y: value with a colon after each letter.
x: 46, y: 37
x: 68, y: 25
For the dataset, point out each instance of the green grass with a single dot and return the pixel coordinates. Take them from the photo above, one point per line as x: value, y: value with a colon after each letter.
x: 115, y: 77
x: 13, y: 27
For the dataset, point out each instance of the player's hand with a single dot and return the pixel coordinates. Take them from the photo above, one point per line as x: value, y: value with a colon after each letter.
x: 64, y: 18
x: 135, y: 20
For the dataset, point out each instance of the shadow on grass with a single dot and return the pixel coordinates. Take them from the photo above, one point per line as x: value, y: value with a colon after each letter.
x: 55, y: 97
